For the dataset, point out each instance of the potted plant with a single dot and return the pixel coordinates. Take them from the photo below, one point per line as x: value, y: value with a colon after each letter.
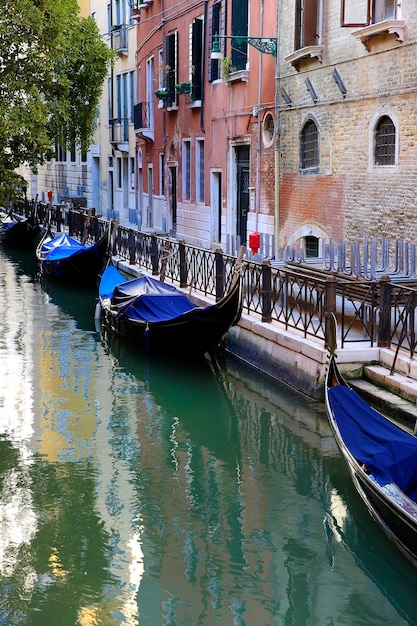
x: 162, y: 93
x: 226, y: 65
x: 183, y: 87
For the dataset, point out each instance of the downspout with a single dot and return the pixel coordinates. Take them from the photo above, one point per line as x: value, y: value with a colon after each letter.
x: 276, y: 146
x: 203, y: 67
x: 258, y: 154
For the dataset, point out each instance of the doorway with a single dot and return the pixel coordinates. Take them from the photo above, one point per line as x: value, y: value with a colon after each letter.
x: 242, y: 192
x: 173, y: 198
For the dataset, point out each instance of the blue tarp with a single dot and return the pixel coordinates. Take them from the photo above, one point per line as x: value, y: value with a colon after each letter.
x: 147, y: 299
x: 61, y: 247
x: 109, y: 280
x: 388, y: 452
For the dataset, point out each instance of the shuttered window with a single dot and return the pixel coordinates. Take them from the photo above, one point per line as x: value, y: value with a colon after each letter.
x: 306, y: 23
x: 214, y: 29
x: 171, y: 53
x: 196, y: 58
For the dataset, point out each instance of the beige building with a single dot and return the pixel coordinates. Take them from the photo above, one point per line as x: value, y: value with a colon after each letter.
x: 104, y: 178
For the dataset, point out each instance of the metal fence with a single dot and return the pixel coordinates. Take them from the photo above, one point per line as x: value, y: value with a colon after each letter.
x: 300, y: 298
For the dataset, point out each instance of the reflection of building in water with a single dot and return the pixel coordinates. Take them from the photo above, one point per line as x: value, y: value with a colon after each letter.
x: 18, y: 519
x: 76, y: 427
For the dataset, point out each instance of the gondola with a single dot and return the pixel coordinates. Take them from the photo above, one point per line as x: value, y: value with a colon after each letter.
x: 63, y: 258
x: 161, y: 319
x: 382, y: 460
x: 20, y: 231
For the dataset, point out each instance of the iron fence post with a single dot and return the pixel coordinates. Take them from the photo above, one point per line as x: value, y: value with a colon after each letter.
x: 219, y: 264
x: 266, y: 291
x: 384, y: 331
x: 183, y: 265
x: 132, y: 256
x: 330, y: 336
x: 154, y: 255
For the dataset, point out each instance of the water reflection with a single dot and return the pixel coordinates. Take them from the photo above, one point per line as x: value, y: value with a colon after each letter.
x: 139, y: 492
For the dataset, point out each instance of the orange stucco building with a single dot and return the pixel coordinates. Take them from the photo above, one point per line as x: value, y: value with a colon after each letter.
x: 205, y: 128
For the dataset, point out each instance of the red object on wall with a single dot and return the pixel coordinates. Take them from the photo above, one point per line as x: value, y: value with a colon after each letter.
x: 50, y: 195
x: 254, y: 242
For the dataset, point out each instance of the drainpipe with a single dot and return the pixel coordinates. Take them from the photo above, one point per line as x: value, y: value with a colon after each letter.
x: 258, y: 154
x: 276, y: 147
x: 203, y: 67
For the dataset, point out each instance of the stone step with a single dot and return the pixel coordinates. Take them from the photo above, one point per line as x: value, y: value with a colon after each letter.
x: 382, y: 391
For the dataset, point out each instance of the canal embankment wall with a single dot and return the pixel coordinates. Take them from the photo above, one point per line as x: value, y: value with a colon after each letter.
x: 284, y: 355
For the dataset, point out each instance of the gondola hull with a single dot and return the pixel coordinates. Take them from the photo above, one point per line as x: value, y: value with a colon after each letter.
x: 81, y: 267
x: 393, y: 509
x: 193, y: 332
x: 20, y: 232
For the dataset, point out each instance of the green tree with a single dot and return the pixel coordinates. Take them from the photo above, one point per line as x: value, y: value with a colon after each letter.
x: 53, y: 63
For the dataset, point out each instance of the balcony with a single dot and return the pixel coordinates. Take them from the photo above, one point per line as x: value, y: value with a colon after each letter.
x: 119, y: 133
x: 391, y: 27
x: 143, y: 120
x: 120, y: 39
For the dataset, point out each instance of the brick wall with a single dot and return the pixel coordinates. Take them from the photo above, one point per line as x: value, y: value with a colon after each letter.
x: 350, y: 197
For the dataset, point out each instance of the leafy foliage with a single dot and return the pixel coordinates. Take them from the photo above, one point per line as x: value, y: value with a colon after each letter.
x: 53, y: 63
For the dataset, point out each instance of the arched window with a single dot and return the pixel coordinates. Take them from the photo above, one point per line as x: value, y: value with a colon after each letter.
x: 309, y: 147
x: 384, y: 146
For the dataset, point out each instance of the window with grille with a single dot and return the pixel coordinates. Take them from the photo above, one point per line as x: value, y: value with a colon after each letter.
x: 385, y: 141
x: 309, y: 147
x: 311, y: 247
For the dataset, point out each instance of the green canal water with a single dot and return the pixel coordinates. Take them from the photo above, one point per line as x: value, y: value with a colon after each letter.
x: 136, y: 492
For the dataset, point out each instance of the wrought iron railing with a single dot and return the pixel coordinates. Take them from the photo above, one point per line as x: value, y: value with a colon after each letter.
x: 370, y: 312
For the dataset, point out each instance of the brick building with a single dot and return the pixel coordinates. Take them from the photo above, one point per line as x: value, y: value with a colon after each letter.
x: 347, y: 117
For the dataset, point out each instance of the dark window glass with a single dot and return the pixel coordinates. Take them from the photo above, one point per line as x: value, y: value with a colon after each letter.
x: 214, y: 64
x: 309, y: 146
x: 239, y: 27
x: 312, y: 247
x: 197, y: 55
x: 385, y: 142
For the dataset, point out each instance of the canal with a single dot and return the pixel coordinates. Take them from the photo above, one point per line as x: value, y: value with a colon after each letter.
x: 136, y: 492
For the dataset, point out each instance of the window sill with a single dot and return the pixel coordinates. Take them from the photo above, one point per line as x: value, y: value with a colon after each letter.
x: 307, y: 171
x: 240, y: 75
x: 383, y: 169
x: 194, y: 104
x: 393, y: 27
x: 309, y: 52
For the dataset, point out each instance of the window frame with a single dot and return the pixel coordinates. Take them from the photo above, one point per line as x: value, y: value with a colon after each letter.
x: 314, y: 168
x: 368, y: 14
x: 186, y: 170
x: 199, y: 171
x: 373, y: 130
